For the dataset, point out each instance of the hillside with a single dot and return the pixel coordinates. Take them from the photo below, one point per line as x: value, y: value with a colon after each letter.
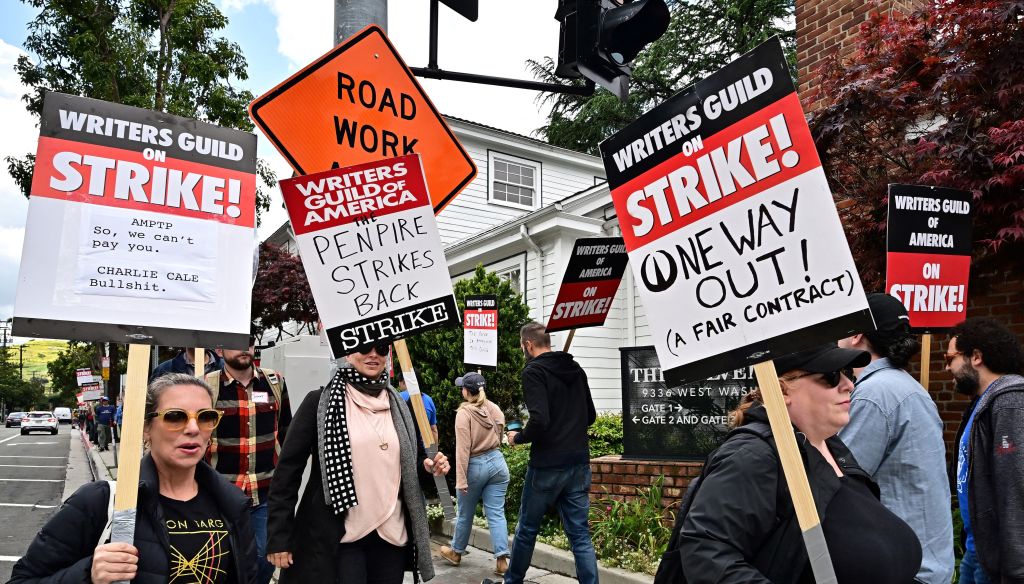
x: 37, y: 354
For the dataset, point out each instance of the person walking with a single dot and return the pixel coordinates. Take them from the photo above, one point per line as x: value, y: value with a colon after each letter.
x: 985, y: 359
x: 104, y: 419
x: 246, y: 445
x: 896, y: 435
x: 362, y: 517
x: 191, y: 524
x: 741, y: 525
x: 480, y: 471
x: 561, y: 409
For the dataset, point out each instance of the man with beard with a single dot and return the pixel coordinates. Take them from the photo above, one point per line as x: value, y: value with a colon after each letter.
x: 984, y: 358
x: 246, y: 444
x: 561, y: 409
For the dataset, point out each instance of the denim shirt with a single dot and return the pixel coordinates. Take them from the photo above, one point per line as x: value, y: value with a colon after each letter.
x: 895, y: 433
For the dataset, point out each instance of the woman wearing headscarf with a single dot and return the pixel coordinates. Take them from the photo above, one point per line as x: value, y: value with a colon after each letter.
x: 362, y: 517
x: 192, y: 525
x: 741, y: 525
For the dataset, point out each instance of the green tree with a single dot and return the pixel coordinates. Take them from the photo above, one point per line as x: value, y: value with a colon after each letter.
x: 16, y: 393
x: 437, y: 356
x: 703, y: 36
x: 62, y: 370
x: 161, y: 55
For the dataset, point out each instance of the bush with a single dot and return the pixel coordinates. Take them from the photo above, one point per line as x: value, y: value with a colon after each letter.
x: 518, y: 459
x: 606, y: 435
x: 630, y: 534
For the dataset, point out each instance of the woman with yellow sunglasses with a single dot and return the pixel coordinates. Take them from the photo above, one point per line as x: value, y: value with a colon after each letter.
x: 192, y: 524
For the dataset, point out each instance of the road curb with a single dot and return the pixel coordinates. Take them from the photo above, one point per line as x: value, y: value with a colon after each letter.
x: 80, y: 468
x: 550, y: 558
x: 96, y: 464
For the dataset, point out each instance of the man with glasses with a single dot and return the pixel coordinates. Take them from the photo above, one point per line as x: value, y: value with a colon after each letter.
x: 246, y: 444
x: 985, y: 358
x: 895, y: 434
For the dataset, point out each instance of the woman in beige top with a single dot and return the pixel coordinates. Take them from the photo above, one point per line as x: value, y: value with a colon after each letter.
x: 480, y: 471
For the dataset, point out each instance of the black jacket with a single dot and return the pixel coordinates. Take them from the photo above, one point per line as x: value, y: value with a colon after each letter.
x: 561, y: 409
x: 740, y: 529
x: 312, y: 532
x: 995, y: 480
x: 62, y: 551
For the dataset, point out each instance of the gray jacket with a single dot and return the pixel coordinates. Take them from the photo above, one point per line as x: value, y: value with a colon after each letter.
x: 895, y: 433
x: 995, y: 478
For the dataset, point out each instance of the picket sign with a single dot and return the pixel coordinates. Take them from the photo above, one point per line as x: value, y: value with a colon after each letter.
x: 796, y: 475
x: 926, y: 359
x: 125, y: 500
x: 200, y: 363
x: 420, y: 413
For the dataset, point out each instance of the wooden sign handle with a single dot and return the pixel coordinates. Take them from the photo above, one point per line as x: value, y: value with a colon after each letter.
x: 568, y: 340
x: 796, y: 475
x: 133, y: 413
x: 200, y: 363
x: 926, y: 359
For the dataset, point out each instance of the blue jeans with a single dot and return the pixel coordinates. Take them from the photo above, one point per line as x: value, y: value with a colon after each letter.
x: 971, y: 571
x: 567, y: 488
x: 258, y: 516
x: 488, y: 479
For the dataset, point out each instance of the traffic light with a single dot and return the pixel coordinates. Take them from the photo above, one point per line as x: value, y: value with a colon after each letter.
x: 601, y: 38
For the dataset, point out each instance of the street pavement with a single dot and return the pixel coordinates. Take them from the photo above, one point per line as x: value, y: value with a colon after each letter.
x: 477, y: 565
x: 33, y: 469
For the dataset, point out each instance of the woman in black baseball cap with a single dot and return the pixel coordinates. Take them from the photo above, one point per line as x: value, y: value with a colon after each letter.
x: 741, y: 526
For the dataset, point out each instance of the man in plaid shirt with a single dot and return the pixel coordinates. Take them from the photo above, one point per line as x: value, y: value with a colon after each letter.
x: 245, y: 446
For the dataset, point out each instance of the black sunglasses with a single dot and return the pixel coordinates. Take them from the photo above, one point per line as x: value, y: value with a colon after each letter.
x: 382, y: 349
x: 831, y: 378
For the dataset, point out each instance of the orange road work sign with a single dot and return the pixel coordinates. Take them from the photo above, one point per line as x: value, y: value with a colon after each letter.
x: 361, y: 103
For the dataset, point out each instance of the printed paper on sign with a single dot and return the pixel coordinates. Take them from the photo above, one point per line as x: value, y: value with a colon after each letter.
x: 732, y: 233
x: 371, y: 251
x: 928, y: 263
x: 480, y: 331
x: 134, y: 229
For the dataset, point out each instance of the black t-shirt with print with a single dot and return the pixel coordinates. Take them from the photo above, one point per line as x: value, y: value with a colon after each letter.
x: 200, y: 547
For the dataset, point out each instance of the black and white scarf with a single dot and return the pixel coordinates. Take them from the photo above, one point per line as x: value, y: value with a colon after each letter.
x: 336, y: 450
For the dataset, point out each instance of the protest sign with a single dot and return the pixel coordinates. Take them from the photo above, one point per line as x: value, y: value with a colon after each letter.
x: 480, y: 331
x: 134, y: 228
x: 371, y: 251
x: 591, y: 279
x: 733, y: 237
x: 357, y: 104
x: 83, y: 376
x: 684, y: 422
x: 91, y: 392
x: 928, y: 260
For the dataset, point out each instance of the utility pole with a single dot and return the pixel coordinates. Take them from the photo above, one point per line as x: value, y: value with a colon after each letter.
x: 350, y: 16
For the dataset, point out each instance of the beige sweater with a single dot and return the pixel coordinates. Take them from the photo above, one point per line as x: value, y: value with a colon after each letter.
x: 477, y: 430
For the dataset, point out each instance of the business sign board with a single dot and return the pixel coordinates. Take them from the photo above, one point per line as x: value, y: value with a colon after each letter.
x: 732, y: 234
x: 84, y: 376
x: 91, y: 392
x: 676, y: 422
x: 371, y: 251
x: 591, y: 279
x: 480, y: 331
x: 928, y: 260
x: 134, y: 227
x: 357, y: 104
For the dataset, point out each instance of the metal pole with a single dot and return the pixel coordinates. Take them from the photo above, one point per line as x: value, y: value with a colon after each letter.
x: 432, y: 60
x: 350, y: 16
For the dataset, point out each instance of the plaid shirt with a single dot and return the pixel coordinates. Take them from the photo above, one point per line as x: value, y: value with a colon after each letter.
x: 245, y: 446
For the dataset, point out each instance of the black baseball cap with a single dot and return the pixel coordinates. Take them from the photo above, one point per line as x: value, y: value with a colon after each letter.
x: 891, y: 317
x: 822, y: 359
x: 473, y: 382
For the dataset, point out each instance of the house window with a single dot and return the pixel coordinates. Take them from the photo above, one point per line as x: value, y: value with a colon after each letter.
x: 514, y: 181
x: 514, y: 276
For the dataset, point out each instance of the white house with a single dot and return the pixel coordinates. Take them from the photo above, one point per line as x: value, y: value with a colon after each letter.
x: 519, y: 217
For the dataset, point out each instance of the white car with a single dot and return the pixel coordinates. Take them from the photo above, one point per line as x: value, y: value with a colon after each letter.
x: 34, y: 421
x: 63, y: 415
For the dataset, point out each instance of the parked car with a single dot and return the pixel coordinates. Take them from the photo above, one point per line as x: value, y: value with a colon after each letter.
x: 14, y: 419
x: 63, y: 415
x: 39, y: 421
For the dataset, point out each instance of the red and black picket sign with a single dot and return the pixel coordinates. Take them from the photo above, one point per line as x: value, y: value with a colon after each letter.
x: 928, y: 260
x: 591, y: 280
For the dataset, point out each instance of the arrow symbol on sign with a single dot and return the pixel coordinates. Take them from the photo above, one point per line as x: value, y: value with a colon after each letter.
x: 635, y: 419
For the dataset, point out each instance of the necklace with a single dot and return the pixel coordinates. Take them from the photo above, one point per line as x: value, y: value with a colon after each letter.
x: 369, y: 420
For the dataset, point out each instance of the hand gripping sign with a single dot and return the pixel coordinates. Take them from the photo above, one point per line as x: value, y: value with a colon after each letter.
x: 734, y: 240
x: 371, y: 251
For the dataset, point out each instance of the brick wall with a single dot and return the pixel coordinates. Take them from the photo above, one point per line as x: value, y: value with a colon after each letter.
x: 615, y: 478
x: 827, y: 27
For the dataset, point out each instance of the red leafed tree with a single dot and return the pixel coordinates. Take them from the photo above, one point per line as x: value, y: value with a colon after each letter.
x: 281, y: 293
x: 933, y: 98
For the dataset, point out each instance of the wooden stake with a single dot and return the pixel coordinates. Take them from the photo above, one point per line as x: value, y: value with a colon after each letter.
x: 926, y: 359
x: 416, y: 399
x: 796, y: 475
x: 133, y: 413
x: 201, y: 363
x: 568, y: 340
